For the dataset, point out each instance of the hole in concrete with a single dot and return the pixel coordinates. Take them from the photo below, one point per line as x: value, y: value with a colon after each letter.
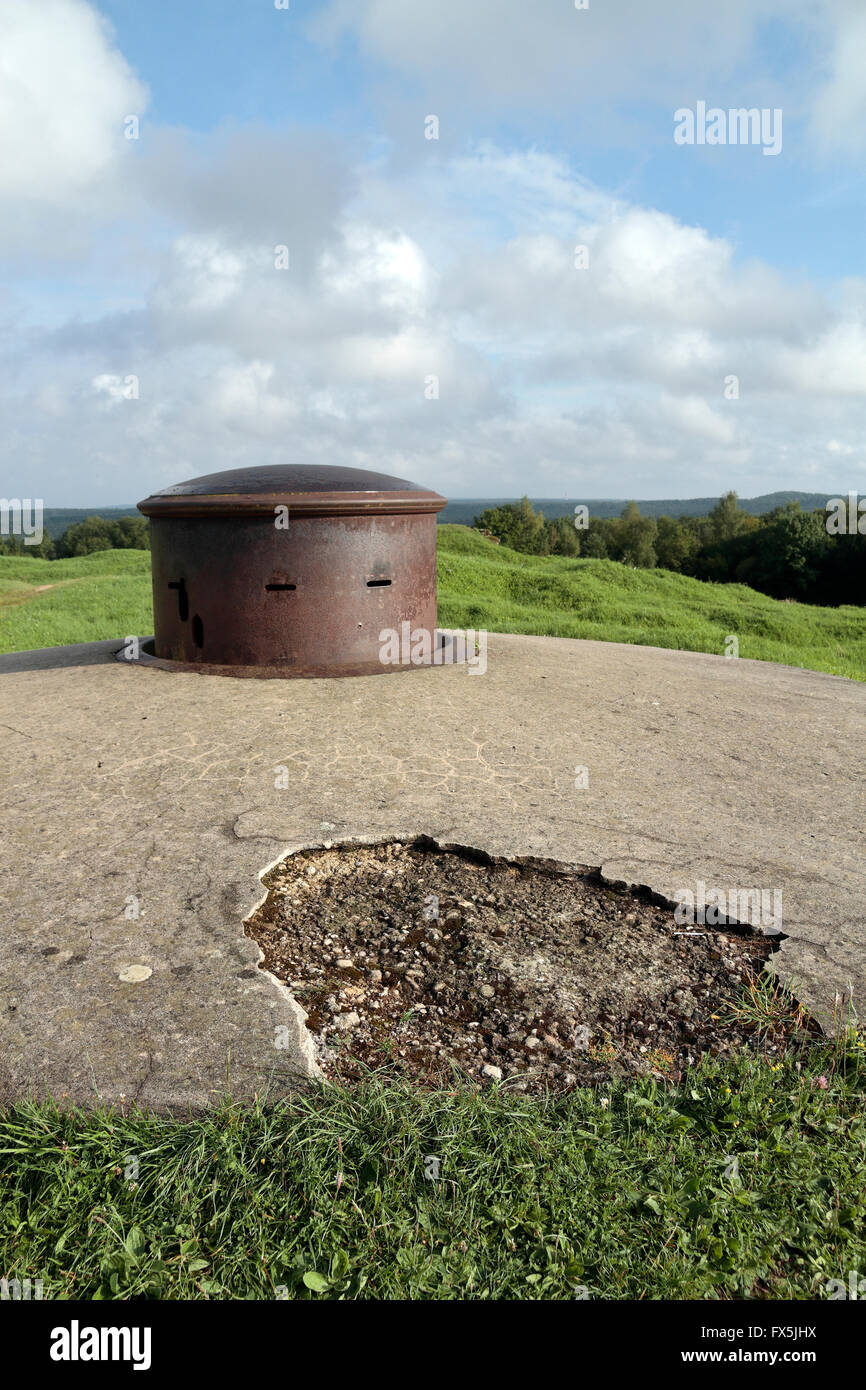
x: 422, y: 959
x: 378, y: 583
x: 198, y: 631
x: 280, y: 588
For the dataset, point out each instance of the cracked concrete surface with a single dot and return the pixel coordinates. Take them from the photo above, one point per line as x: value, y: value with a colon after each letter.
x: 127, y: 790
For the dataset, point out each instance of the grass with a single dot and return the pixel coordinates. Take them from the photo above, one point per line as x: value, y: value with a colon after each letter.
x: 108, y: 595
x: 768, y: 1008
x: 88, y: 599
x: 485, y: 585
x: 749, y: 1181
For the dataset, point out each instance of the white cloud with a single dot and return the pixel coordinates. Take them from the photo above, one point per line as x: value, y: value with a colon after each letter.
x: 511, y: 52
x: 838, y: 106
x: 389, y: 269
x: 695, y: 419
x: 833, y: 365
x: 553, y: 379
x: 203, y: 275
x: 242, y: 399
x: 112, y: 387
x: 509, y: 57
x: 65, y: 91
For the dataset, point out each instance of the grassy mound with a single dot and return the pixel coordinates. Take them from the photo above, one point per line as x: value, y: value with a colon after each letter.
x: 485, y: 585
x: 51, y: 603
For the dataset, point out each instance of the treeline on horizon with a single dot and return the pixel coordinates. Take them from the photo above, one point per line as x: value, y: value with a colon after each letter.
x: 83, y: 538
x: 787, y: 553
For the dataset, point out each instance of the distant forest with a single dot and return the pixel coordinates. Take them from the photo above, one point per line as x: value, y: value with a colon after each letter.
x: 462, y: 510
x: 787, y: 553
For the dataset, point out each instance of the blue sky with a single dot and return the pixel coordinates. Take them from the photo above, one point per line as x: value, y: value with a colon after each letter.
x: 148, y: 336
x: 225, y: 61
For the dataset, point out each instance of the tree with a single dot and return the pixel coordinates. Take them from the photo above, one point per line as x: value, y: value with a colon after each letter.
x: 14, y: 545
x: 517, y: 525
x: 726, y: 518
x: 635, y: 536
x: 594, y: 544
x: 791, y: 552
x: 562, y: 538
x: 96, y: 533
x: 674, y: 543
x: 786, y: 553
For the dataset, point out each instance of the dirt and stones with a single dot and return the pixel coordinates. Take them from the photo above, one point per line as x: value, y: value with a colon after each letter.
x: 427, y: 960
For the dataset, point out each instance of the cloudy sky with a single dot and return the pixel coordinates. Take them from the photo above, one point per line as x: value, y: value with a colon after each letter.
x: 435, y: 318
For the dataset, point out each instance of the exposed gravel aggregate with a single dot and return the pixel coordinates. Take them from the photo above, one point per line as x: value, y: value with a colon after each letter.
x: 537, y: 976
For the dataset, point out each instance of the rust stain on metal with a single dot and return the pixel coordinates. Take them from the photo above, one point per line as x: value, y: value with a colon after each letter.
x: 290, y: 570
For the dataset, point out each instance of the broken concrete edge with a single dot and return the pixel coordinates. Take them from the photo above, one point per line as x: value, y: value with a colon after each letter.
x: 593, y: 873
x: 421, y: 840
x: 278, y: 1085
x: 276, y: 1089
x: 304, y: 1041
